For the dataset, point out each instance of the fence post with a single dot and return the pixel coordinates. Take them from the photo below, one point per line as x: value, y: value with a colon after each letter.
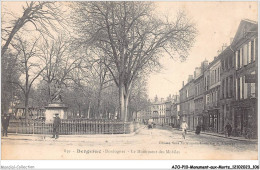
x: 16, y: 126
x: 33, y: 126
x: 112, y: 127
x: 124, y: 127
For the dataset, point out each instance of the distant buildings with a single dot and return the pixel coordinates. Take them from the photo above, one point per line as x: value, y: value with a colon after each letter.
x: 163, y: 112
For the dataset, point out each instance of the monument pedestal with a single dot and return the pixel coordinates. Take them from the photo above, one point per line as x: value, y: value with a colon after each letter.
x: 55, y: 108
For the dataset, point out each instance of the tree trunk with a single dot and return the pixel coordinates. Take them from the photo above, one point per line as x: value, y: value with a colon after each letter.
x: 124, y: 100
x: 126, y: 106
x: 26, y: 102
x: 89, y: 109
x: 122, y: 103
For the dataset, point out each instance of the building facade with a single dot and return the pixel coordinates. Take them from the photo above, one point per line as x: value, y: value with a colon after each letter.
x: 187, y: 102
x: 199, y: 93
x: 246, y: 63
x: 227, y: 90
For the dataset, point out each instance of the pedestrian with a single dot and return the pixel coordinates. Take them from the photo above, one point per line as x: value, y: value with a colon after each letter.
x: 198, y: 129
x: 56, y: 125
x: 5, y: 124
x: 228, y: 128
x: 184, y: 127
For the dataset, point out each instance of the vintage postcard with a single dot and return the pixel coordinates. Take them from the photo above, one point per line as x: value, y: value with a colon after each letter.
x: 129, y: 80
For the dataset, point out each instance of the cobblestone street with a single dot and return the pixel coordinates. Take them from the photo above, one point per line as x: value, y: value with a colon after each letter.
x: 155, y: 143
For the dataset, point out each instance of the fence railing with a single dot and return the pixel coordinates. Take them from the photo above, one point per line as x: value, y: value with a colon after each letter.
x: 73, y: 127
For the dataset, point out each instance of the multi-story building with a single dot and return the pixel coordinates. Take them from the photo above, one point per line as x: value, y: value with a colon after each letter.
x: 199, y: 93
x: 227, y: 90
x: 175, y: 112
x: 245, y: 45
x: 187, y: 102
x: 168, y: 105
x: 212, y: 95
x: 158, y: 112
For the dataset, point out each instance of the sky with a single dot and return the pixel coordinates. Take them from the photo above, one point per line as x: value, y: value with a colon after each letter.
x: 216, y: 22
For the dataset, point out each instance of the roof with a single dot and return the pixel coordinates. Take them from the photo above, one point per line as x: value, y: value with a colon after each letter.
x: 244, y: 27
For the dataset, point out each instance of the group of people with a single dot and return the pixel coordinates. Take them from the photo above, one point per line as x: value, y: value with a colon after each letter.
x: 56, y: 124
x: 184, y: 127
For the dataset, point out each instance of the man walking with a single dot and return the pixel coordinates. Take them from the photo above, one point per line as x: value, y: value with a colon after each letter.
x: 228, y: 129
x: 56, y: 125
x: 184, y: 127
x: 5, y: 124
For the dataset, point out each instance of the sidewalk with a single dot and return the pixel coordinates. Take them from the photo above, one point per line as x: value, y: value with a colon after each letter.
x: 216, y: 134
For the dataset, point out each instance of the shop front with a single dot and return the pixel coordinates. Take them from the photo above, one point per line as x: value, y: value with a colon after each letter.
x: 245, y: 119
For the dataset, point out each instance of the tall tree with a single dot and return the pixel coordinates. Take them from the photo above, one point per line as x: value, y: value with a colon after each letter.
x: 131, y: 38
x: 44, y: 16
x: 9, y: 92
x: 60, y: 63
x: 29, y: 67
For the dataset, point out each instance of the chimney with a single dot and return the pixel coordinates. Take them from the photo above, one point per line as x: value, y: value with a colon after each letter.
x: 190, y: 78
x: 224, y: 46
x: 162, y: 99
x: 204, y: 65
x: 231, y: 40
x: 198, y: 71
x: 182, y: 83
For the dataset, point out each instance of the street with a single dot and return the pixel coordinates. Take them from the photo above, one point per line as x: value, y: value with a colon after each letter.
x: 157, y: 143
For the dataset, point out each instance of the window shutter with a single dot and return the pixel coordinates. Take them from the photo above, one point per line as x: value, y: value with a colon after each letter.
x: 245, y: 87
x: 236, y: 59
x: 241, y: 87
x: 241, y: 58
x: 245, y: 54
x: 254, y: 50
x: 249, y: 52
x: 236, y: 90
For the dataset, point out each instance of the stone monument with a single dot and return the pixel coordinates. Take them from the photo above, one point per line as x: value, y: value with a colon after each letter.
x: 53, y: 108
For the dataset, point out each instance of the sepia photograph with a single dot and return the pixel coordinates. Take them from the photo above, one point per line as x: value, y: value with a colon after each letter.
x: 129, y: 80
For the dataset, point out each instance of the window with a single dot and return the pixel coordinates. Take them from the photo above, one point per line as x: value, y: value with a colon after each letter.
x: 241, y: 87
x: 231, y: 86
x: 245, y: 61
x: 216, y: 97
x: 227, y: 89
x: 215, y: 78
x: 253, y: 49
x: 252, y: 88
x: 238, y: 88
x: 218, y: 73
x: 245, y: 88
x: 205, y: 79
x: 223, y: 88
x: 207, y: 99
x: 241, y: 58
x: 226, y: 63
x: 237, y: 60
x: 230, y: 61
x: 249, y: 52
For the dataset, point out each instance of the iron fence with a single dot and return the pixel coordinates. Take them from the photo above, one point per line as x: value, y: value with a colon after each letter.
x: 73, y: 127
